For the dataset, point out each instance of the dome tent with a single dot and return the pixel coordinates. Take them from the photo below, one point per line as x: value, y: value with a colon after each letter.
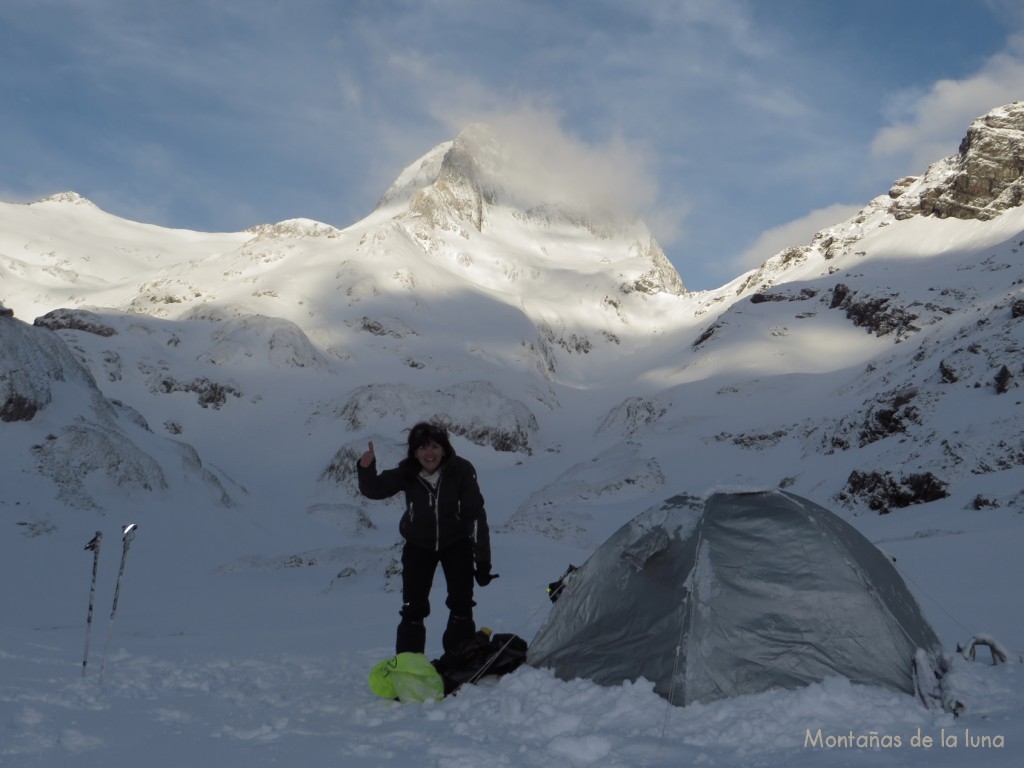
x: 734, y: 594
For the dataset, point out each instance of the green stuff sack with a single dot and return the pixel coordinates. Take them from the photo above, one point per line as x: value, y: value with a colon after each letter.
x: 407, y: 677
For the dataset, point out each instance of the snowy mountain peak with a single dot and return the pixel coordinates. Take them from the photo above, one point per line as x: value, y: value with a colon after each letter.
x: 472, y: 166
x: 466, y: 182
x: 479, y: 158
x: 294, y: 228
x: 458, y: 185
x: 415, y: 177
x: 68, y: 197
x: 481, y: 193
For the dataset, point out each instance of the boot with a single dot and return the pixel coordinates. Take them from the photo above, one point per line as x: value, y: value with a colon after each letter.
x: 459, y: 630
x: 411, y: 637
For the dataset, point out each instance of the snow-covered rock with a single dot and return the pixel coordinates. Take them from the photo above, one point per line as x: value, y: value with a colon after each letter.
x: 475, y: 410
x: 96, y: 451
x: 33, y: 363
x: 567, y: 505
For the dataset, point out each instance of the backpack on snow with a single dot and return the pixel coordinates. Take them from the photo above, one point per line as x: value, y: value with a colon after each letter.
x: 482, y: 655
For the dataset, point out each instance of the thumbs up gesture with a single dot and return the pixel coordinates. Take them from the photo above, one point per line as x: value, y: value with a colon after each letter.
x: 368, y: 458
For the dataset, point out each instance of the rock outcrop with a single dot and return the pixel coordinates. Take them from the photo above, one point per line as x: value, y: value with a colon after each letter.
x: 981, y: 181
x: 76, y: 320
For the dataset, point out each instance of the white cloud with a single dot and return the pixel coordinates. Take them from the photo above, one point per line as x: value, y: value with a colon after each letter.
x: 798, y: 232
x: 937, y: 119
x: 555, y: 165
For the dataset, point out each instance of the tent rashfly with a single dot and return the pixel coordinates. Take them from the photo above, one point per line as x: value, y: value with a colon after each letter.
x: 736, y: 594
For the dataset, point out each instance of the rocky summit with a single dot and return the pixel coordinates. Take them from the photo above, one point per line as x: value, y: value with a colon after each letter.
x: 981, y: 181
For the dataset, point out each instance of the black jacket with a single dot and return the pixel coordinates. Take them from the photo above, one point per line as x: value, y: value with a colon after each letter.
x: 434, y: 519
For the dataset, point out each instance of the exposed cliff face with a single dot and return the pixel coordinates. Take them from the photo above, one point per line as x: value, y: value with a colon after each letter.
x: 461, y: 187
x: 981, y: 181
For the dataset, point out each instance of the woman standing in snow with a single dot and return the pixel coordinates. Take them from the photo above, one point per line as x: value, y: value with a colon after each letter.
x: 444, y: 523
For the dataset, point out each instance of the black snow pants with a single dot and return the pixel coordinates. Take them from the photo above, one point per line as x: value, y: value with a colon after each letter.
x: 418, y: 568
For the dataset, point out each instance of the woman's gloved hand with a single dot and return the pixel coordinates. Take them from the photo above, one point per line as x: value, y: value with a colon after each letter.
x: 483, y: 574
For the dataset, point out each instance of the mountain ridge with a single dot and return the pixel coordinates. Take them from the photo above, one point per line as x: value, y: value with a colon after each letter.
x: 554, y: 331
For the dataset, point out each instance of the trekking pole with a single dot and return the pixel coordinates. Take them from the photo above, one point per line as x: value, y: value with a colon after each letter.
x: 94, y: 547
x: 128, y: 532
x: 487, y: 665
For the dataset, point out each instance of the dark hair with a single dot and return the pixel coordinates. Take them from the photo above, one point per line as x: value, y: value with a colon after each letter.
x: 421, y: 434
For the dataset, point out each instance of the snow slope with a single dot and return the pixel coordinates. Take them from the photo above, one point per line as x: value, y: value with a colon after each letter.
x: 216, y: 389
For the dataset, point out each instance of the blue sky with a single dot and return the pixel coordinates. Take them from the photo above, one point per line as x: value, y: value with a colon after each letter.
x: 735, y: 127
